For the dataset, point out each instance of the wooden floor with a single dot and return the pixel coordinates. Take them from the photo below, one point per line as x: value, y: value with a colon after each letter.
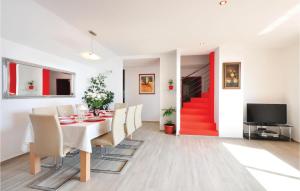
x: 166, y: 162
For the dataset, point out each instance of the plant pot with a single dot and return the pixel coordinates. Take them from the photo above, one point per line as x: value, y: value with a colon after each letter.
x: 171, y: 87
x: 31, y: 87
x: 169, y: 129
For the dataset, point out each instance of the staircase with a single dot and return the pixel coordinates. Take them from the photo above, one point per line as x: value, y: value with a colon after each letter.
x: 197, y: 112
x: 195, y: 117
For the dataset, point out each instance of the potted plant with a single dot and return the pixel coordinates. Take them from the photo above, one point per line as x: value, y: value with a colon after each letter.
x: 169, y: 125
x: 171, y: 86
x: 31, y: 85
x: 96, y: 96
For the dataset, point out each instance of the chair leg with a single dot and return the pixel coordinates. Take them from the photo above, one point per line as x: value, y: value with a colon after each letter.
x: 54, y: 165
x: 125, y: 161
x: 131, y: 146
x: 35, y: 185
x: 121, y: 155
x: 103, y: 153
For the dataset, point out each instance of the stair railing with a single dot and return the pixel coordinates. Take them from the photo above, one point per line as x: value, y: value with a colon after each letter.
x: 193, y: 79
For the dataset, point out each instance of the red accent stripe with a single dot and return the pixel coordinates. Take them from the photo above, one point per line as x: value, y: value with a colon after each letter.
x: 12, y: 78
x: 212, y: 86
x: 46, y: 82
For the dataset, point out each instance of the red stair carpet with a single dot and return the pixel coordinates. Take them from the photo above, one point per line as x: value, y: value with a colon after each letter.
x: 196, y: 119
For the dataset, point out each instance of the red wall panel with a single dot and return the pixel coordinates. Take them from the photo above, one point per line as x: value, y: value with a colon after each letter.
x: 46, y: 82
x: 212, y: 86
x: 12, y: 78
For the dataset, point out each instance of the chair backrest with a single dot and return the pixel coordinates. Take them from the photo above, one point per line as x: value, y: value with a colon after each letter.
x: 118, y: 132
x: 138, y: 116
x: 130, y: 127
x: 65, y: 110
x: 48, y: 137
x: 120, y: 105
x: 45, y: 110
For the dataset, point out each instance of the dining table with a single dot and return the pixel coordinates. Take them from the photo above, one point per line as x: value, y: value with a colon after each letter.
x: 76, y: 135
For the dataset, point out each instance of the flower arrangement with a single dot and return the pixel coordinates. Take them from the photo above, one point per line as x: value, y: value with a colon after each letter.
x: 30, y: 85
x: 96, y: 96
x: 171, y: 86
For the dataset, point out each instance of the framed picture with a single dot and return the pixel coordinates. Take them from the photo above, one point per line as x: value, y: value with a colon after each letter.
x: 146, y: 83
x: 232, y: 75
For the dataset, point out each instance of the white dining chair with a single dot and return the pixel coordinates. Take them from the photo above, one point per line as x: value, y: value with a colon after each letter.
x: 138, y: 116
x: 133, y: 121
x: 120, y: 105
x: 45, y: 110
x: 112, y: 139
x: 130, y: 123
x: 48, y: 141
x: 129, y: 130
x: 65, y: 110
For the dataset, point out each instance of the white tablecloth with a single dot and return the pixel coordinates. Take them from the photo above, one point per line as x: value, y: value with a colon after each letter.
x: 78, y: 135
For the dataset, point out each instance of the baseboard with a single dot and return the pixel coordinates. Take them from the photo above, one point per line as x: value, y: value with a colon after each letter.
x: 150, y: 121
x: 13, y: 158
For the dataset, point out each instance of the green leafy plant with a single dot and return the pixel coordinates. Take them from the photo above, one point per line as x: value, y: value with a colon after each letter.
x: 31, y: 83
x: 168, y: 114
x: 96, y: 96
x: 171, y: 82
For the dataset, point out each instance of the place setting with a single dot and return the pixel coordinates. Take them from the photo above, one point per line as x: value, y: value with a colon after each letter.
x: 89, y: 117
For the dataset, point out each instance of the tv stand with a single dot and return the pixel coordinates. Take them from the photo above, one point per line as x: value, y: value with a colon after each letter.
x: 255, y: 135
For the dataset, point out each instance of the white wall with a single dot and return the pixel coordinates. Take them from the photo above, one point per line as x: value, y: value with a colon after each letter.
x: 271, y: 76
x: 268, y: 76
x: 298, y: 133
x: 217, y: 87
x: 229, y: 103
x: 264, y: 77
x: 178, y: 91
x: 33, y: 34
x: 167, y: 71
x: 151, y: 107
x: 289, y: 61
x: 194, y: 61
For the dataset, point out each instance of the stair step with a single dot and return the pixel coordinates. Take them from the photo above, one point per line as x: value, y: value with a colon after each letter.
x: 204, y: 95
x: 200, y: 132
x: 199, y: 100
x: 194, y: 111
x: 195, y: 105
x: 194, y: 125
x: 195, y: 118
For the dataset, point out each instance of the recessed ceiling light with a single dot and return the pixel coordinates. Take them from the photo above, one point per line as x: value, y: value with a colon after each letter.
x: 223, y: 2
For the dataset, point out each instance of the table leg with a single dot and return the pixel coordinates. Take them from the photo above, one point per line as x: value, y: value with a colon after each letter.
x: 280, y: 131
x: 85, y: 166
x: 34, y: 161
x: 249, y: 131
x: 290, y: 133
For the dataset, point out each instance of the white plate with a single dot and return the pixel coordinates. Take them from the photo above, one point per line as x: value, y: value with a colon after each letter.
x: 65, y: 121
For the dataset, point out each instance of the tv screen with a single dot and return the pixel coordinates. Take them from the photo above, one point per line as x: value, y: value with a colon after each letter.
x: 267, y: 113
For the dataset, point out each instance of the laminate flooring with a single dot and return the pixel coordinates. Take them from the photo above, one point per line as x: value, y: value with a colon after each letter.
x: 184, y: 163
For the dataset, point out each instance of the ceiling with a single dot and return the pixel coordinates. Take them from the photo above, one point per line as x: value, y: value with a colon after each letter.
x: 140, y: 27
x: 129, y: 63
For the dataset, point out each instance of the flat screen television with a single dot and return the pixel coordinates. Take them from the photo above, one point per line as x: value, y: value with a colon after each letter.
x: 267, y: 114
